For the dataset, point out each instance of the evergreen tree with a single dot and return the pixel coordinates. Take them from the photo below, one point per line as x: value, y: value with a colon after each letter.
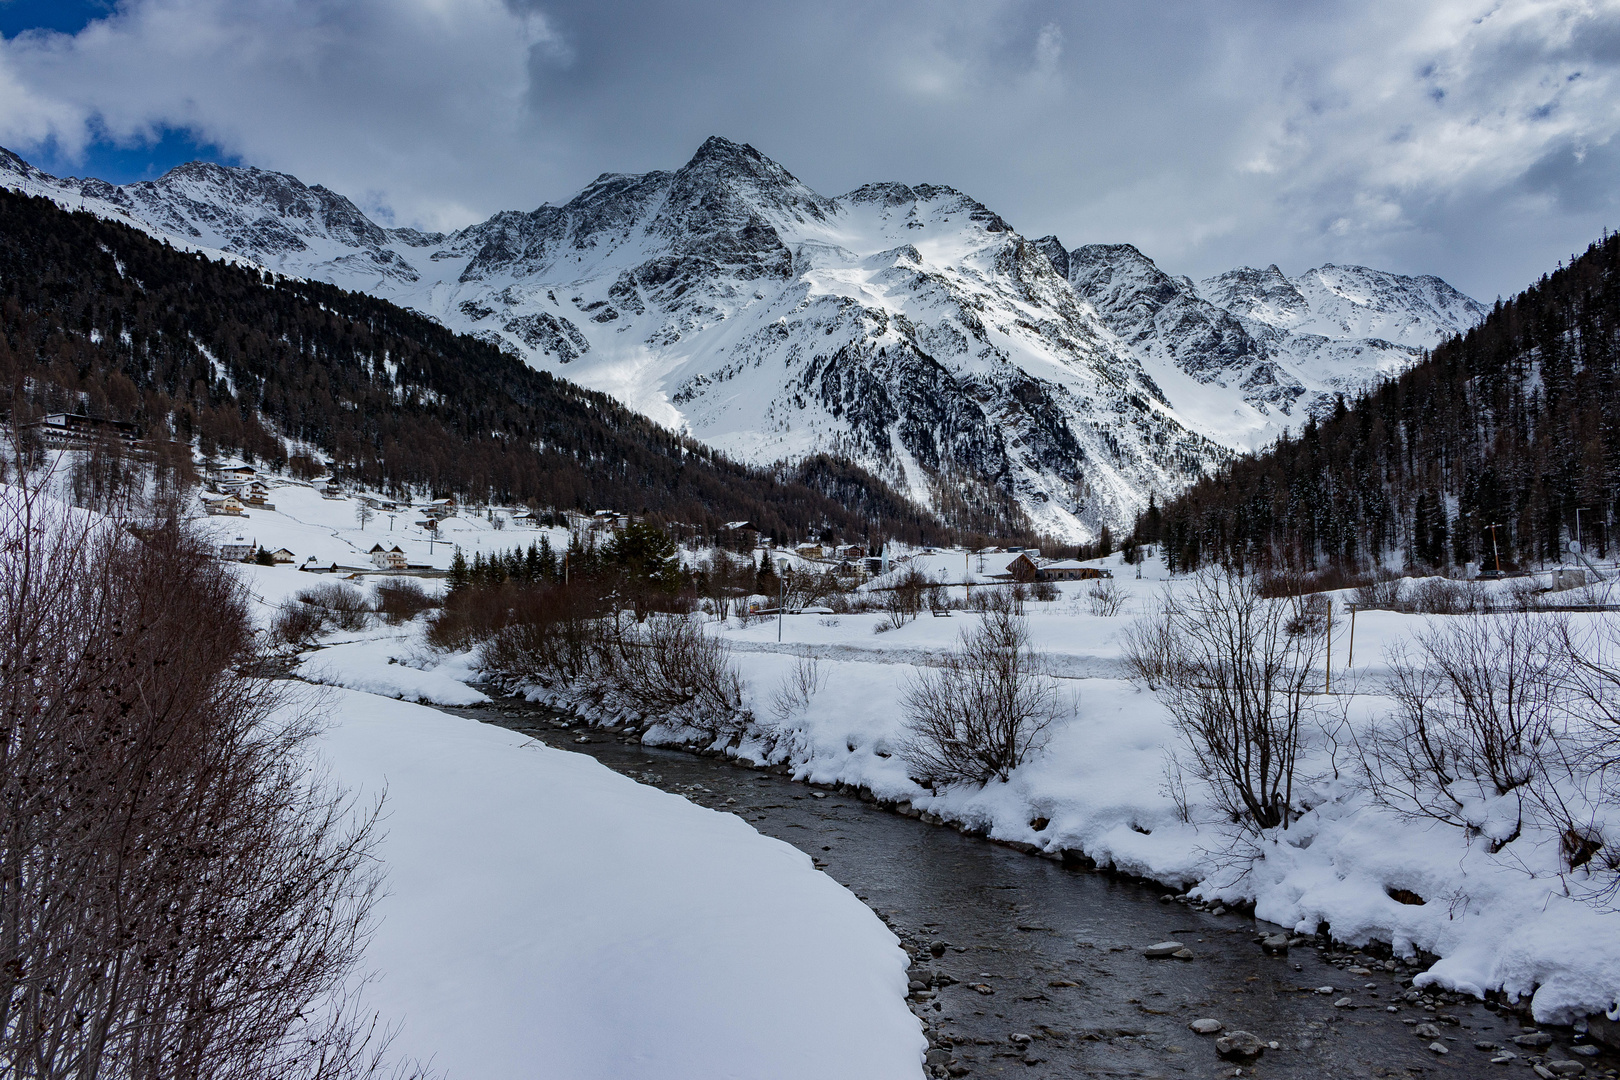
x: 460, y: 578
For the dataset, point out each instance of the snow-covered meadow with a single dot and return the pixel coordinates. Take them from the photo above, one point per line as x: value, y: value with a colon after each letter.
x: 1513, y: 921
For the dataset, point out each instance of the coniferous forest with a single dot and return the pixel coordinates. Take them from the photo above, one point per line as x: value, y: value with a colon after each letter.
x: 1514, y: 424
x: 99, y: 318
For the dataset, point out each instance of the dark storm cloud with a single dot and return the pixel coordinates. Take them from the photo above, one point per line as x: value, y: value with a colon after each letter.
x: 1468, y: 138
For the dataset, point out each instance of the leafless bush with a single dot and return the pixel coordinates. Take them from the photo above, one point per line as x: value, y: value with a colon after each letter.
x: 1044, y: 591
x: 1475, y: 704
x: 553, y: 634
x: 1383, y: 591
x: 904, y: 601
x: 999, y: 599
x: 1151, y: 653
x: 402, y: 599
x: 343, y: 606
x: 177, y: 898
x: 1238, y: 687
x: 1443, y: 596
x: 801, y: 684
x: 1524, y: 594
x: 669, y: 666
x: 1104, y: 598
x: 1582, y: 794
x: 297, y: 625
x: 984, y: 709
x: 1310, y: 615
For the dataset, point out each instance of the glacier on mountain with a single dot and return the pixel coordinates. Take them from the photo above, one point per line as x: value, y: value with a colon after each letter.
x: 909, y: 328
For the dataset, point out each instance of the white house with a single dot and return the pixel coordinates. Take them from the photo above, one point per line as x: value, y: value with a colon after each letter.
x: 387, y: 558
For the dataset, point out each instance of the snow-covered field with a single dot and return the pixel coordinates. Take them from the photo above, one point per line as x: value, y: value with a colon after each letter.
x: 546, y: 916
x: 1507, y: 921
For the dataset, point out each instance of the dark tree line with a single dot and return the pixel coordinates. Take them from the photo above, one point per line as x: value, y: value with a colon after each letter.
x: 1513, y: 424
x: 99, y: 318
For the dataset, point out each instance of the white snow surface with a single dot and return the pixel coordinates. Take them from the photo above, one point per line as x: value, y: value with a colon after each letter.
x: 909, y: 328
x: 1501, y: 921
x: 546, y: 916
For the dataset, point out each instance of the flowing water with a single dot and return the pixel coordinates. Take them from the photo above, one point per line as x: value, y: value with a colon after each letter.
x: 1040, y: 968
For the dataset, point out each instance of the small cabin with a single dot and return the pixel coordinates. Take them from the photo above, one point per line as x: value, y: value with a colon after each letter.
x: 282, y: 556
x: 1072, y: 570
x: 238, y: 550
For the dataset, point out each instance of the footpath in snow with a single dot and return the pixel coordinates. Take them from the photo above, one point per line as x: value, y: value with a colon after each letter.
x: 546, y: 916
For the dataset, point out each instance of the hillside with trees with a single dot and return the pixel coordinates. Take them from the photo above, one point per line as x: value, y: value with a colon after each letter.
x: 1513, y: 424
x: 98, y: 318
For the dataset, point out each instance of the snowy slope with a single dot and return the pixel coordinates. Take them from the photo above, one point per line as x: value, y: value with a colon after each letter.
x: 909, y: 328
x: 1251, y: 353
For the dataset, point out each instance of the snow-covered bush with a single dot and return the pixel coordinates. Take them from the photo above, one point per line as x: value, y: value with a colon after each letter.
x: 798, y: 688
x: 984, y: 709
x: 402, y: 599
x: 1476, y: 702
x: 1239, y: 688
x: 667, y: 665
x: 297, y: 625
x: 341, y: 606
x: 1104, y: 598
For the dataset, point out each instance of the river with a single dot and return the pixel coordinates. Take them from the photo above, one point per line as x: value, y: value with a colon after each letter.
x: 1026, y: 968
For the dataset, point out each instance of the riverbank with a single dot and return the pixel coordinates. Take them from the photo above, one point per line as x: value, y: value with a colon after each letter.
x: 1003, y: 945
x: 1508, y: 923
x: 545, y: 915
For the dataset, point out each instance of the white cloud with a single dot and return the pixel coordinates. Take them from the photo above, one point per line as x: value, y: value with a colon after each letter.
x: 1471, y: 138
x: 354, y: 94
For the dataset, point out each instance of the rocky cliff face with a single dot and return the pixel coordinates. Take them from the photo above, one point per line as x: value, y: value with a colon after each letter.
x: 1262, y: 349
x: 910, y: 328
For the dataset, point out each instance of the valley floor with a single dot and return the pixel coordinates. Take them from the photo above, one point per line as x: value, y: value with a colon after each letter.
x: 1513, y: 922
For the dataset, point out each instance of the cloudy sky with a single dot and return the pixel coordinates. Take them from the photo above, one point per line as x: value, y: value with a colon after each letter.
x: 1474, y: 139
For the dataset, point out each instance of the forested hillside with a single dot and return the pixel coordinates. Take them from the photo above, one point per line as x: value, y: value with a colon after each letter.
x: 1515, y: 424
x: 97, y: 317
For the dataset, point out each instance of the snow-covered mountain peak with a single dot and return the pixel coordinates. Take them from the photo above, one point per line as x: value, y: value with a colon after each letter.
x: 1347, y: 302
x: 907, y: 326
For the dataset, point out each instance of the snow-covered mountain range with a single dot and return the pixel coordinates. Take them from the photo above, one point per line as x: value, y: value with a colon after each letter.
x: 909, y: 328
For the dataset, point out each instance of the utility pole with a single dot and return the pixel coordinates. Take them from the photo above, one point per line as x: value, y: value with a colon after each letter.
x: 1496, y: 551
x: 1351, y: 659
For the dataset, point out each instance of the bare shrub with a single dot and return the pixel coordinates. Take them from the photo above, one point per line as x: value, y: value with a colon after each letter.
x: 1524, y: 594
x: 1238, y: 687
x: 999, y: 599
x: 1581, y: 795
x: 1104, y: 598
x: 297, y: 625
x: 1383, y: 591
x: 1151, y: 654
x: 904, y: 601
x: 1443, y: 596
x: 402, y: 599
x: 553, y: 634
x: 1044, y: 591
x: 1475, y: 703
x: 177, y: 897
x: 344, y: 606
x: 799, y: 687
x: 668, y: 665
x: 984, y: 709
x: 1310, y: 615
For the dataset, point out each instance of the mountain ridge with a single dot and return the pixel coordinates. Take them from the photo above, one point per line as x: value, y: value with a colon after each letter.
x: 907, y: 327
